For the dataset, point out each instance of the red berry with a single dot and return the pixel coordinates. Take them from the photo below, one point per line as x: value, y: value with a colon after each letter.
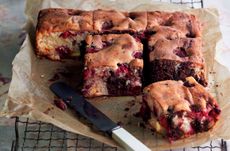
x: 60, y: 104
x: 87, y: 73
x: 66, y: 34
x: 137, y: 54
x: 63, y: 51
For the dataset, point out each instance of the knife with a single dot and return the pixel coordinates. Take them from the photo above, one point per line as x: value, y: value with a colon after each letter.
x: 97, y: 118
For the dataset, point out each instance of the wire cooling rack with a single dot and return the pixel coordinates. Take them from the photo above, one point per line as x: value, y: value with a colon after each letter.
x: 39, y: 136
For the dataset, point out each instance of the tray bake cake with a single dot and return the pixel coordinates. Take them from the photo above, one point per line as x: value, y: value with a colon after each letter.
x: 123, y: 49
x: 112, y: 65
x: 179, y: 109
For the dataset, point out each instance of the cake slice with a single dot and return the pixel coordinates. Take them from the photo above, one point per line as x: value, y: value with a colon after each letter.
x: 179, y: 109
x: 112, y: 66
x: 112, y: 21
x: 171, y: 57
x: 59, y: 32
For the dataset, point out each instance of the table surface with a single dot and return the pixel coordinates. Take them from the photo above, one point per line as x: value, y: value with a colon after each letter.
x: 11, y: 23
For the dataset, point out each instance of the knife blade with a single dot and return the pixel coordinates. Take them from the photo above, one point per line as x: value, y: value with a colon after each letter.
x: 96, y: 117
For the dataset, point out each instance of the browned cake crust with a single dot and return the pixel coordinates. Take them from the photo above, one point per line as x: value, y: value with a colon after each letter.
x: 113, y: 65
x: 112, y: 49
x: 112, y: 21
x: 179, y: 109
x: 59, y: 20
x: 180, y: 49
x: 60, y: 31
x: 187, y: 24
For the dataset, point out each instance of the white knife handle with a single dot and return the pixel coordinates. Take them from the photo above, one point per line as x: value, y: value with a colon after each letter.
x: 128, y: 141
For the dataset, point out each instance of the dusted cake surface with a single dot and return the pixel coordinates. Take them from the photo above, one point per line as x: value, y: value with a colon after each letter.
x: 120, y: 22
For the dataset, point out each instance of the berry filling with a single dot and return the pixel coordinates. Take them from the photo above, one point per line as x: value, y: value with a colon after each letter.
x: 107, y: 43
x: 181, y: 52
x: 214, y: 113
x: 138, y: 39
x: 145, y: 112
x: 182, y: 124
x: 122, y: 70
x: 139, y: 36
x: 87, y: 73
x: 67, y: 34
x: 138, y: 54
x: 93, y: 49
x: 107, y: 25
x: 122, y: 81
x: 63, y: 51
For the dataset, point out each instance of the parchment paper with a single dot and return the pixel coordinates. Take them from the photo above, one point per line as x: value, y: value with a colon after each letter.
x: 29, y: 94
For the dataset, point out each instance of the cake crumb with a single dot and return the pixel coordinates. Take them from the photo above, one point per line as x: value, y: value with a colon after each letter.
x: 60, y: 104
x: 47, y: 110
x: 137, y: 114
x: 212, y: 72
x: 129, y: 123
x: 125, y: 116
x: 126, y: 109
x: 119, y: 123
x: 141, y: 124
x: 54, y: 78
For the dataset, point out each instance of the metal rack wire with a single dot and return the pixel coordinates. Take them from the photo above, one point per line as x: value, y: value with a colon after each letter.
x: 189, y: 3
x: 39, y: 136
